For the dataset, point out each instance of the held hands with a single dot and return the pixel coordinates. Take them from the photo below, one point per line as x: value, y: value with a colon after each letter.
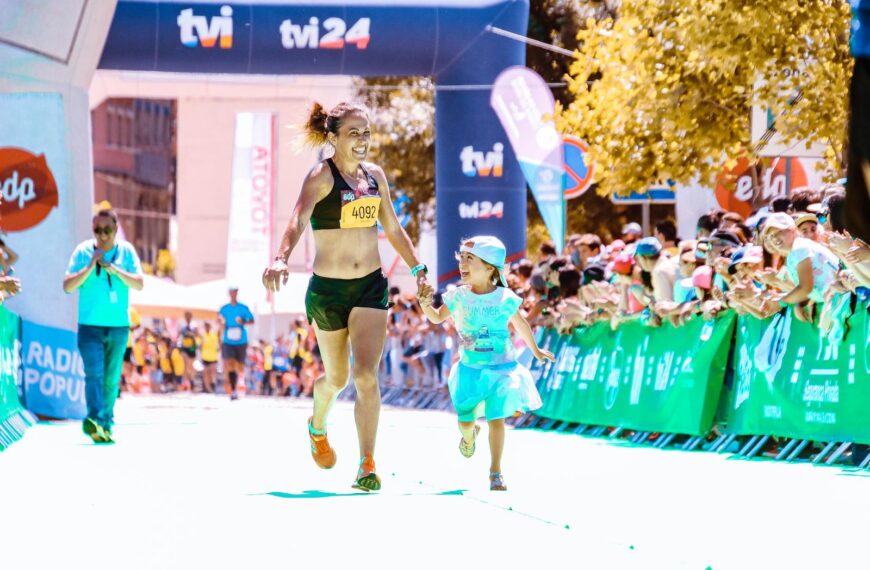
x: 425, y: 292
x: 422, y: 279
x: 276, y: 275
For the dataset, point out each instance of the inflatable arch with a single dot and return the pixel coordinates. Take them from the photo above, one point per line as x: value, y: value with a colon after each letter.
x: 479, y: 185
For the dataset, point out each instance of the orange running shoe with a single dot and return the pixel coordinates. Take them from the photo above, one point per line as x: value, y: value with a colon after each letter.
x: 366, y: 478
x: 321, y: 451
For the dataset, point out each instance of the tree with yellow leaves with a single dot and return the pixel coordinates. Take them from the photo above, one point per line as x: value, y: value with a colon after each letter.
x: 665, y: 91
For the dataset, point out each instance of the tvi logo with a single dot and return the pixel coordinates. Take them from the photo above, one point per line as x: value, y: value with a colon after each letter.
x: 336, y: 34
x: 479, y: 163
x: 199, y: 31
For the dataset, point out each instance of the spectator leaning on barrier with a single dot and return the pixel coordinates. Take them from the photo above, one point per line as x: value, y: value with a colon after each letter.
x: 103, y: 269
x: 812, y: 266
x: 687, y: 264
x: 662, y: 268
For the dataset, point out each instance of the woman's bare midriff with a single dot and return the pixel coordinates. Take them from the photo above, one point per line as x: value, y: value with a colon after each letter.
x: 347, y: 253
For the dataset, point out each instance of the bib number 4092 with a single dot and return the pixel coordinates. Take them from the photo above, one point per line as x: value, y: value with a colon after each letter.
x: 364, y: 212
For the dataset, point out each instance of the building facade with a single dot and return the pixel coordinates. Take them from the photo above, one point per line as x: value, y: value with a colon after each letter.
x: 134, y: 143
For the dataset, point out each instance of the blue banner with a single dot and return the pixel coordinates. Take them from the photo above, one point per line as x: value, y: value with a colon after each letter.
x: 317, y: 38
x: 446, y: 39
x: 484, y: 212
x: 480, y: 185
x: 53, y: 379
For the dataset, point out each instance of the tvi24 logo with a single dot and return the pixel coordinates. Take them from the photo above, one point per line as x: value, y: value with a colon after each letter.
x: 480, y: 163
x: 481, y: 210
x: 336, y: 34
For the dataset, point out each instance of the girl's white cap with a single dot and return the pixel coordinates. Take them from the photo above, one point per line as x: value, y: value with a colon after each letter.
x: 490, y: 249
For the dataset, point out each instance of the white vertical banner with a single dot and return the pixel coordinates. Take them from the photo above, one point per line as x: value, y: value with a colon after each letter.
x: 251, y: 207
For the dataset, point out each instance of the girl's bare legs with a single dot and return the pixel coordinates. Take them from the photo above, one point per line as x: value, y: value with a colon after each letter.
x: 496, y: 444
x: 467, y: 429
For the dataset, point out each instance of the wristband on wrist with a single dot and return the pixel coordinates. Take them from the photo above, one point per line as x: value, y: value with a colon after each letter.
x: 418, y: 268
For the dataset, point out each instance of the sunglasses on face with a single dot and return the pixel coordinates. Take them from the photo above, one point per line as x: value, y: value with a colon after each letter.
x: 107, y: 230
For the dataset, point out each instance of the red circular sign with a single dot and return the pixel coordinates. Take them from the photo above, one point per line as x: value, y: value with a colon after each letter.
x: 28, y: 191
x: 737, y: 190
x: 578, y: 176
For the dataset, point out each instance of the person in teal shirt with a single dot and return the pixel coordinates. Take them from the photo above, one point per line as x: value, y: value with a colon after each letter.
x: 233, y: 317
x: 487, y: 381
x: 103, y: 270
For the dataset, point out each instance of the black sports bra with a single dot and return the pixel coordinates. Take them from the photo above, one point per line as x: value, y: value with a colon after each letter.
x: 345, y: 207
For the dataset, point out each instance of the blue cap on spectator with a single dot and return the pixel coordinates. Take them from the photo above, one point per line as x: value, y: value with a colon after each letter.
x: 648, y: 246
x: 745, y: 254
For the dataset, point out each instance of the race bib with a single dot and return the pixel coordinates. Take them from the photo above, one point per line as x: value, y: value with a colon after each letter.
x: 280, y: 362
x: 359, y: 208
x: 234, y: 333
x: 187, y: 342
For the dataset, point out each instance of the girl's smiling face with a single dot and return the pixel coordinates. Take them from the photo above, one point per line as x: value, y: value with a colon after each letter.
x: 474, y: 271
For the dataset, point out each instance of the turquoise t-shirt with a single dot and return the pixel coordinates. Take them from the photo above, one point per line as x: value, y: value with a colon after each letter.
x: 234, y: 333
x: 482, y: 324
x: 104, y: 300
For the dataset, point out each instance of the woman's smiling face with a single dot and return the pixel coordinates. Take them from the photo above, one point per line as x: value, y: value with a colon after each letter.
x: 354, y: 137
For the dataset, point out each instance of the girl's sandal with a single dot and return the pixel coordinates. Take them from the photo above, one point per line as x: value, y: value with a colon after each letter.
x: 496, y: 482
x: 467, y: 450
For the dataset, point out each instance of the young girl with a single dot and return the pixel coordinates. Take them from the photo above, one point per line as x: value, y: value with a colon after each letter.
x: 487, y: 381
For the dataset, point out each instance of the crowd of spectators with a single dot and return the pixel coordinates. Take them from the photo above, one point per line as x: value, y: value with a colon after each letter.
x: 184, y: 356
x: 790, y: 253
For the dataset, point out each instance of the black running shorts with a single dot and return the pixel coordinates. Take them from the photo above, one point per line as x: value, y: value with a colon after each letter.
x: 329, y: 301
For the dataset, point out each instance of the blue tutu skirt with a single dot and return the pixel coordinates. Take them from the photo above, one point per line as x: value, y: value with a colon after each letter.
x: 492, y: 392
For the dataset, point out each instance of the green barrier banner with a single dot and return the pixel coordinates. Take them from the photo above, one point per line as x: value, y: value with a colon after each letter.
x: 13, y: 419
x: 792, y: 383
x: 662, y: 379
